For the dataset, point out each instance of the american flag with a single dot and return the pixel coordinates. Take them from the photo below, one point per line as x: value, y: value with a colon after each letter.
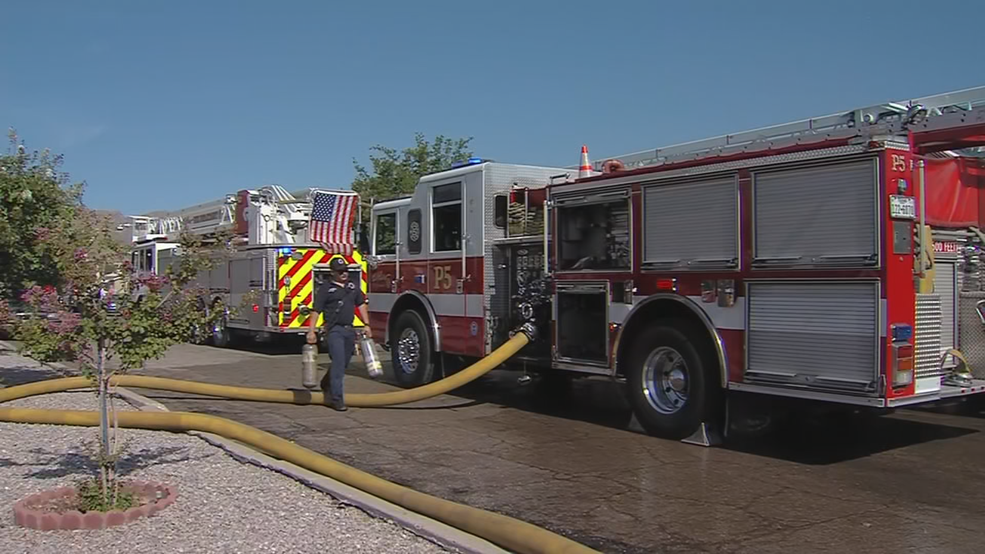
x: 332, y: 216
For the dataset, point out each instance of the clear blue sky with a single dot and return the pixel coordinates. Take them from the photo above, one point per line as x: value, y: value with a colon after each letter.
x: 161, y: 105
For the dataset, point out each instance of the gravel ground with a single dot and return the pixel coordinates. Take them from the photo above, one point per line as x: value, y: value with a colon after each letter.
x: 223, y: 505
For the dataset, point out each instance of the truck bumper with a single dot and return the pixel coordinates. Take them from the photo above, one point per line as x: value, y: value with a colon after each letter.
x: 977, y: 386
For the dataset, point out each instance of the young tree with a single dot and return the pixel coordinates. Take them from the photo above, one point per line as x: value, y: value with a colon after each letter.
x: 33, y: 195
x: 106, y: 316
x: 396, y: 173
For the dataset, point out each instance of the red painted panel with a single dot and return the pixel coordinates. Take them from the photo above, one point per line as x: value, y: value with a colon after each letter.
x: 242, y: 226
x: 898, y: 285
x: 735, y: 351
x: 948, y: 139
x: 427, y: 276
x: 379, y: 321
x: 457, y: 337
x: 380, y: 278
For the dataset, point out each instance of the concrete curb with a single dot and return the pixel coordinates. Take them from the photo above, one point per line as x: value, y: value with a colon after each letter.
x: 422, y: 526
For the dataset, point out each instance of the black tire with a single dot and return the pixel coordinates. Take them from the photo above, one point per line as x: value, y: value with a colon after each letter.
x: 662, y: 410
x: 411, y: 343
x: 221, y: 335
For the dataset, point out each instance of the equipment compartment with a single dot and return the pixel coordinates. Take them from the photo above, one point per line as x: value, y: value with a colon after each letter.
x: 582, y: 322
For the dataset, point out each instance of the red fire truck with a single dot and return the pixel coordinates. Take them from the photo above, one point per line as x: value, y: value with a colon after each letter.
x: 791, y: 261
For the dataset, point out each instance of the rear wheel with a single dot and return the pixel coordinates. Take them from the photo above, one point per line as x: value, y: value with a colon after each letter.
x: 411, y: 352
x: 671, y: 386
x: 221, y: 336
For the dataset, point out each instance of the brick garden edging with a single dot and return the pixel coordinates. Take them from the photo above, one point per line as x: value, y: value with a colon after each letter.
x: 161, y: 496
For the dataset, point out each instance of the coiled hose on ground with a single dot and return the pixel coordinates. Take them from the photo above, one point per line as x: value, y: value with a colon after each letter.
x: 507, y: 532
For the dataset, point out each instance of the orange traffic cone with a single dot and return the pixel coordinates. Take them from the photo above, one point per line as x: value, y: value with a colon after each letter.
x: 585, y: 169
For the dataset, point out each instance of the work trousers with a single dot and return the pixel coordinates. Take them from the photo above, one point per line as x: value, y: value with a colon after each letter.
x: 341, y: 341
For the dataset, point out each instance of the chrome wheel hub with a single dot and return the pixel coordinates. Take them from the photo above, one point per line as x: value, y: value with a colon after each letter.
x: 408, y: 351
x: 665, y: 380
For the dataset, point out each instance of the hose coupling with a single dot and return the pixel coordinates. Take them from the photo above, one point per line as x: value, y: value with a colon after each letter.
x: 528, y: 329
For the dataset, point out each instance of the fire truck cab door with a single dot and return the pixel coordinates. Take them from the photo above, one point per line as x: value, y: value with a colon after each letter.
x: 386, y: 245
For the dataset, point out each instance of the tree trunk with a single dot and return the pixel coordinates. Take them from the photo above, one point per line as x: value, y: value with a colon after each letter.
x: 103, y: 394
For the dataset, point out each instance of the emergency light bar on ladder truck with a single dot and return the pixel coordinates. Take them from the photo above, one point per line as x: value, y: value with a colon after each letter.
x: 788, y: 261
x: 276, y: 256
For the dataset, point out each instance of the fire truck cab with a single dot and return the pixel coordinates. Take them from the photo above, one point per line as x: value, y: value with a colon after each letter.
x: 792, y: 261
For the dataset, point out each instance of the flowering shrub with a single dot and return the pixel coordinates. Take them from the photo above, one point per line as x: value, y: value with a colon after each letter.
x: 49, y: 333
x: 101, y: 314
x: 105, y: 316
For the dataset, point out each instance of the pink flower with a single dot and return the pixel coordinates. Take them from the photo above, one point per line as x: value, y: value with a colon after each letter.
x: 64, y: 323
x: 154, y: 282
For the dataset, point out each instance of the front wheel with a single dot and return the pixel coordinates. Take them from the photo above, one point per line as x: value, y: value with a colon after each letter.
x: 671, y: 386
x: 411, y: 352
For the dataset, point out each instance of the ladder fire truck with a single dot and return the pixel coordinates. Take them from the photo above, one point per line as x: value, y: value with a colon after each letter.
x: 791, y: 261
x: 273, y: 268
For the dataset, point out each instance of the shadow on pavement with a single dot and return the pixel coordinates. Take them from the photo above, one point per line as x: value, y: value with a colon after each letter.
x: 798, y: 438
x: 301, y: 396
x: 841, y: 439
x: 13, y: 376
x: 286, y: 345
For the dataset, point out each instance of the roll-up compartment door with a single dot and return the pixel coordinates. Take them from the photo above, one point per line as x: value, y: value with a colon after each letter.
x: 675, y: 236
x: 817, y: 216
x: 945, y: 286
x: 814, y: 334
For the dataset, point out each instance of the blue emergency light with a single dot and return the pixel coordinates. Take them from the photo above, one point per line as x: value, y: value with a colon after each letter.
x: 471, y: 161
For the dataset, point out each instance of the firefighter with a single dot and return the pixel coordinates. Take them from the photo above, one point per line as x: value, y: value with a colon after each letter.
x: 337, y: 299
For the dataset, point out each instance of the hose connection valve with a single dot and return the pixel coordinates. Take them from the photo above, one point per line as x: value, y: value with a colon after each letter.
x: 528, y: 329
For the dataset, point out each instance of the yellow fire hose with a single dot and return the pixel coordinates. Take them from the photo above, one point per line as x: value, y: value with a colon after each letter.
x: 507, y: 532
x: 300, y: 397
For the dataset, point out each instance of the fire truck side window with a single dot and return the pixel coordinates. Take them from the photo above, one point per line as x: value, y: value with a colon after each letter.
x: 446, y: 217
x: 500, y: 208
x: 594, y: 236
x: 386, y: 239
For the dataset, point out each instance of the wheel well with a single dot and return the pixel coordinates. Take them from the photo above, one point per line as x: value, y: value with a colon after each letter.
x: 216, y: 303
x: 672, y: 308
x: 412, y: 302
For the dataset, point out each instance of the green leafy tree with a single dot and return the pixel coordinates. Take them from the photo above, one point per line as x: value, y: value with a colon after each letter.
x: 34, y: 195
x: 395, y: 173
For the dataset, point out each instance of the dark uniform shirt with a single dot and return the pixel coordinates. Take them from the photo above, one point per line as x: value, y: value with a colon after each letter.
x: 338, y: 303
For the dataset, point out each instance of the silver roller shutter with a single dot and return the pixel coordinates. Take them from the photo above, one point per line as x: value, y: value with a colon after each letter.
x: 816, y: 216
x: 822, y: 335
x: 945, y: 286
x: 692, y: 225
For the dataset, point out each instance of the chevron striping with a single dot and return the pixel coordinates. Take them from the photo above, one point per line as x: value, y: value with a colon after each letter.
x: 301, y: 291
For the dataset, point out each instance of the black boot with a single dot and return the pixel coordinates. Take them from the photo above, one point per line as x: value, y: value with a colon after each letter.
x: 338, y: 405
